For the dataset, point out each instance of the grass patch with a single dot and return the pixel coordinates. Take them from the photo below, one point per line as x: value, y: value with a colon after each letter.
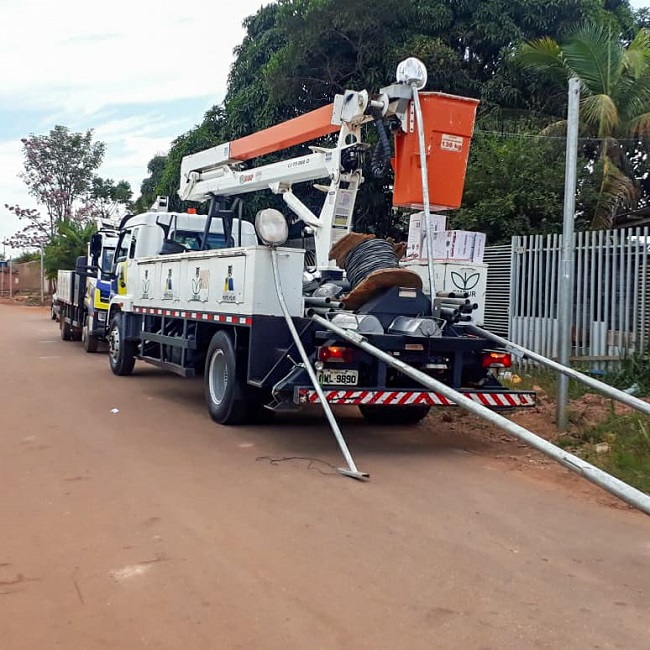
x: 617, y: 443
x: 624, y: 443
x: 545, y: 379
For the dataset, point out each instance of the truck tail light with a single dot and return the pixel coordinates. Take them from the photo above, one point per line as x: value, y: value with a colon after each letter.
x: 492, y: 359
x: 335, y: 353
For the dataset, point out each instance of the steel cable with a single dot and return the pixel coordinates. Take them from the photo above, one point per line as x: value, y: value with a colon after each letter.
x: 366, y: 258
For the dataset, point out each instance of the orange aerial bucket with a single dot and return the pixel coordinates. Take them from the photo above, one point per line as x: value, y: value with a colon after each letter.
x: 448, y: 127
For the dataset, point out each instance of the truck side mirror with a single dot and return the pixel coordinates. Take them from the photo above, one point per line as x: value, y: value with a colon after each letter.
x: 95, y: 246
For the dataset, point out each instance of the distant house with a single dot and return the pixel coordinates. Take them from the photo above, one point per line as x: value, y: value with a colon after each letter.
x: 5, y: 279
x: 24, y: 277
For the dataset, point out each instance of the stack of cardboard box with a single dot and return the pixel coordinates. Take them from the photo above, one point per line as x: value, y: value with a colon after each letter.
x: 447, y: 245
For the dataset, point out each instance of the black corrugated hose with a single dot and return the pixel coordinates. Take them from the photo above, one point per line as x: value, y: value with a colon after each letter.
x: 366, y: 258
x: 380, y: 162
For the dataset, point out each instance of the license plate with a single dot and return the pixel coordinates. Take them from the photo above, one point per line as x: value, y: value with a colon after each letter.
x: 338, y: 377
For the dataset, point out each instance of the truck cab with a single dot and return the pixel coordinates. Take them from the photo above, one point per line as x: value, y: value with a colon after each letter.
x: 101, y: 253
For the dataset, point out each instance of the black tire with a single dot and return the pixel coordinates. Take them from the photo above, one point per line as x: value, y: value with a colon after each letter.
x: 66, y: 329
x: 121, y: 353
x: 90, y: 343
x: 394, y: 415
x: 229, y: 399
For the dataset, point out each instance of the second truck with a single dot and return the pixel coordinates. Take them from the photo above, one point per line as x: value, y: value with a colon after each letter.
x: 83, y: 294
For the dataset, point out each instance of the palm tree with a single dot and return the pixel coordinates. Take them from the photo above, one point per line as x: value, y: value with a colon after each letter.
x: 615, y: 104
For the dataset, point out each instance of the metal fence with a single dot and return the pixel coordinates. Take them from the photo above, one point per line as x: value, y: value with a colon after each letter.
x: 611, y: 306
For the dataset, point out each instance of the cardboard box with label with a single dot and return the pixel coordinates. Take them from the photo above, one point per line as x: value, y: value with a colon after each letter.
x: 448, y: 245
x: 416, y: 244
x: 479, y: 247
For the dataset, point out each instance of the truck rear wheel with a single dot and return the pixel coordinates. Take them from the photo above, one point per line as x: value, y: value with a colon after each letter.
x: 66, y: 329
x: 89, y: 342
x: 227, y: 395
x: 393, y: 415
x: 121, y: 353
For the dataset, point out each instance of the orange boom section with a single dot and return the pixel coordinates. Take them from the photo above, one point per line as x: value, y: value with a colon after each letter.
x: 448, y: 127
x: 309, y: 126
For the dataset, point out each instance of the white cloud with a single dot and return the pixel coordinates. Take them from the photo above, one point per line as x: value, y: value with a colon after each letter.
x: 117, y: 68
x: 70, y: 56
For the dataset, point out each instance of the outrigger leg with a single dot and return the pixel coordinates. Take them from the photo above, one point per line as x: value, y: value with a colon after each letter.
x: 351, y: 469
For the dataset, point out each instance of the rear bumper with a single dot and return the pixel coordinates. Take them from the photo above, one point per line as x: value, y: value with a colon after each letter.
x: 495, y: 400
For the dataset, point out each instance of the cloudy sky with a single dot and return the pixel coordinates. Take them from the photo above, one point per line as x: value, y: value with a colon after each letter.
x: 138, y: 72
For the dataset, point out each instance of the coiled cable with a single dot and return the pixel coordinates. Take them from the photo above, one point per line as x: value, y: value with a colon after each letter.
x: 366, y: 258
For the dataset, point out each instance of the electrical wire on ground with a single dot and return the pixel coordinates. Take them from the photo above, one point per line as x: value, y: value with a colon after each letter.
x: 312, y: 461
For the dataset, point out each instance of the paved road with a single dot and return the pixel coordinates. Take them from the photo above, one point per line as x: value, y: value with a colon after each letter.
x: 153, y: 527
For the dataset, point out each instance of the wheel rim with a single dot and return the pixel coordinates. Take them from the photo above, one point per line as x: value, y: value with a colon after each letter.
x: 114, y: 344
x: 218, y: 377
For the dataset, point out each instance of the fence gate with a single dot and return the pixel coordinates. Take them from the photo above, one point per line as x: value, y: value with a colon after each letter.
x: 611, y: 310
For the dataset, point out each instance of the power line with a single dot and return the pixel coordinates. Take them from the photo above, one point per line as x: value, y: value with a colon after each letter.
x: 536, y: 136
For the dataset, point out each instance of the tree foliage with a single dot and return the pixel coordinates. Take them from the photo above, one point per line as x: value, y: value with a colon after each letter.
x: 59, y: 169
x: 69, y: 242
x: 297, y: 54
x: 106, y: 197
x: 149, y: 186
x: 515, y: 186
x: 614, y: 108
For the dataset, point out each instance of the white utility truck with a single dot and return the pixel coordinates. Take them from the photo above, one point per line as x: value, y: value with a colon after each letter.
x: 272, y: 330
x: 83, y: 294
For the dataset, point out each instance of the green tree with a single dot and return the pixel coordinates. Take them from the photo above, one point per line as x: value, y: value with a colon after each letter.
x: 59, y: 168
x: 149, y: 186
x: 69, y: 242
x: 28, y: 256
x: 297, y: 54
x: 203, y: 136
x: 514, y: 185
x: 615, y: 105
x: 105, y: 197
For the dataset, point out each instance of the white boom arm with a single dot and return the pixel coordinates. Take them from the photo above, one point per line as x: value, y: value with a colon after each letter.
x: 219, y: 171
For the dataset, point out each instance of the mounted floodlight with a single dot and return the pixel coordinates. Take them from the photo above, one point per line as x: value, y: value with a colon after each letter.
x: 271, y: 227
x: 412, y: 72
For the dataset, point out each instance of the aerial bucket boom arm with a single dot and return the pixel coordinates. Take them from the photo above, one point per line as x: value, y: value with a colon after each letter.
x: 220, y: 170
x: 448, y: 125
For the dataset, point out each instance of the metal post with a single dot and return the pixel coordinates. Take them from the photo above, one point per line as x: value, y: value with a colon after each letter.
x: 425, y: 194
x: 42, y: 279
x: 565, y: 284
x: 11, y: 280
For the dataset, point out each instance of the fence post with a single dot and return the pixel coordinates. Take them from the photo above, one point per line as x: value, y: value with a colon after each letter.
x: 565, y: 277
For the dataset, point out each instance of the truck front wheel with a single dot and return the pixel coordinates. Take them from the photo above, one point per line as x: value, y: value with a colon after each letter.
x: 121, y: 353
x: 394, y: 415
x: 226, y: 392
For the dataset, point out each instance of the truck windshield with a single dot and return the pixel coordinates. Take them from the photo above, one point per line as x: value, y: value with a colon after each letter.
x: 107, y: 262
x: 192, y: 240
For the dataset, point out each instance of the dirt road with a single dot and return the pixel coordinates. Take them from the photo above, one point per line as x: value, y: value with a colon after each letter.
x: 153, y: 527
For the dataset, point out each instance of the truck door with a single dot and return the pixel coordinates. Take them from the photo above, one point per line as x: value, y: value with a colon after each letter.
x: 121, y: 258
